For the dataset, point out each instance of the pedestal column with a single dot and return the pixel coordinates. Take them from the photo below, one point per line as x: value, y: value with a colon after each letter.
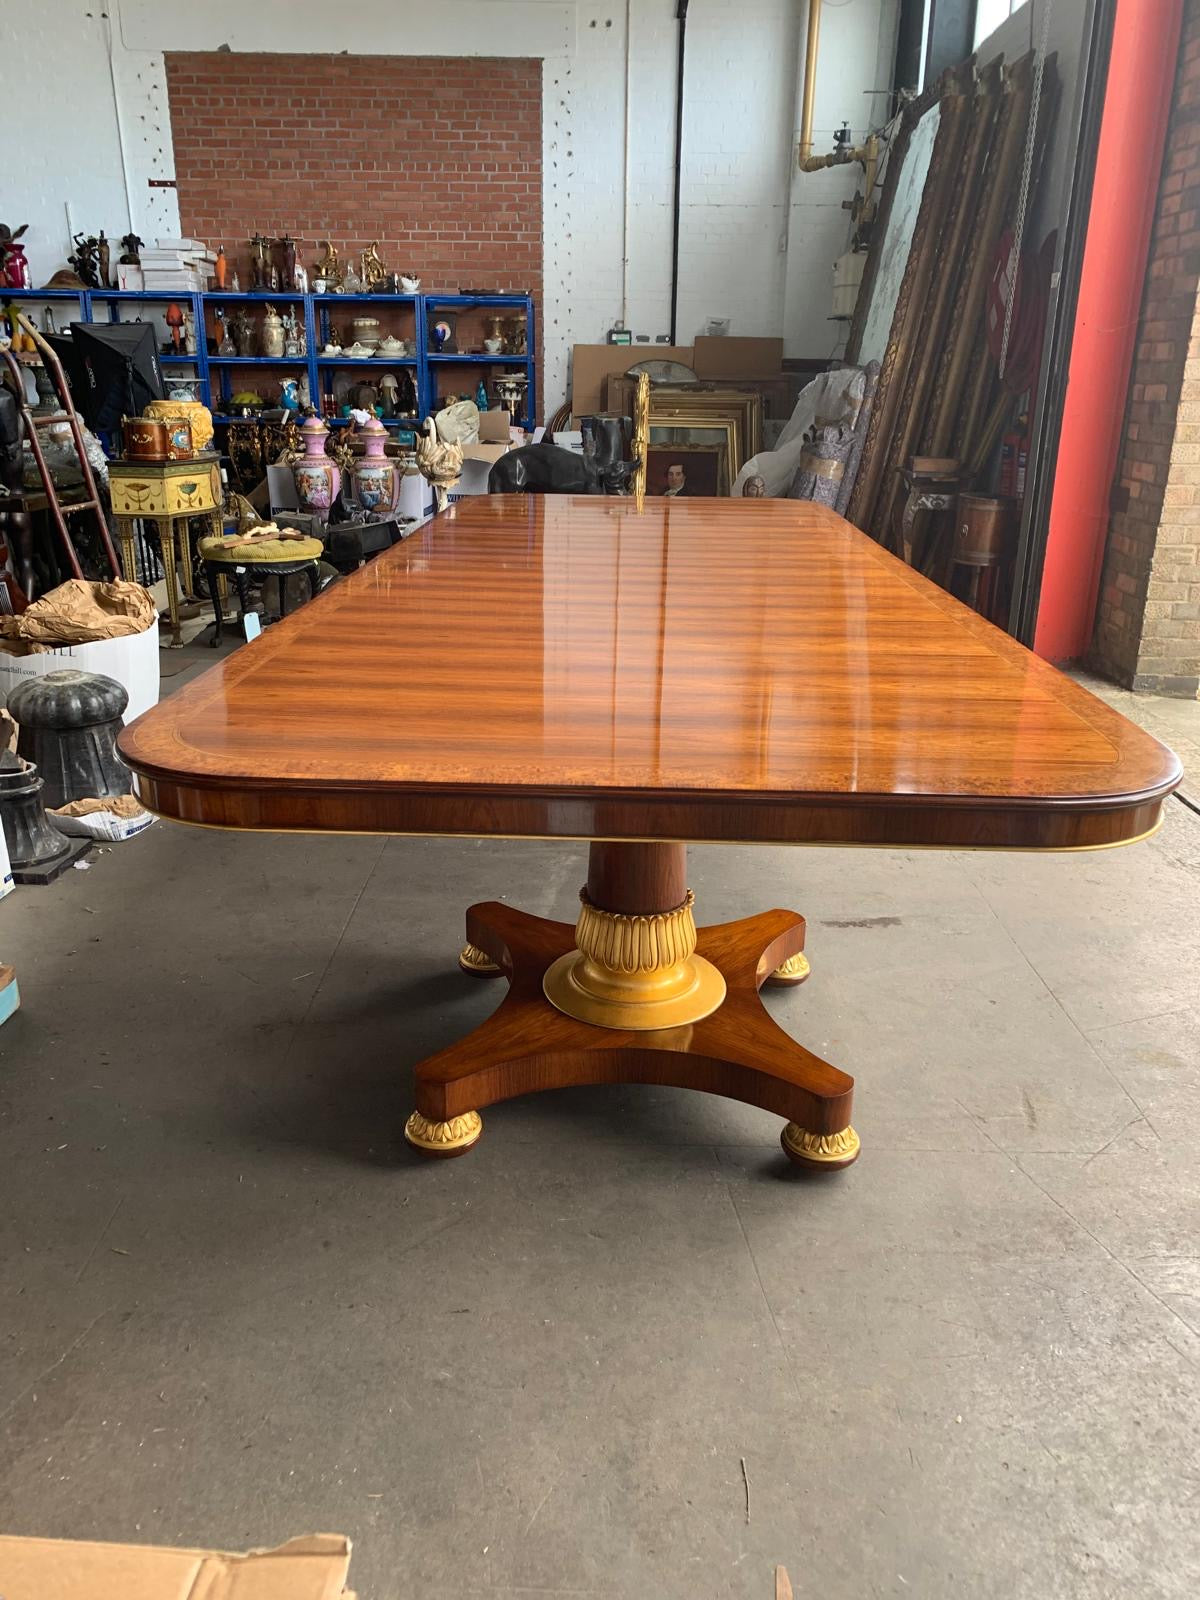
x: 635, y: 966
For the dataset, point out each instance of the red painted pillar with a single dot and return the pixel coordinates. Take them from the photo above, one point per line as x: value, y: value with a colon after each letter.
x: 1137, y: 103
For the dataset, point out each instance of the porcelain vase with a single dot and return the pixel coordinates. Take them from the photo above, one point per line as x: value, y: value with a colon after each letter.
x: 317, y: 477
x: 375, y: 483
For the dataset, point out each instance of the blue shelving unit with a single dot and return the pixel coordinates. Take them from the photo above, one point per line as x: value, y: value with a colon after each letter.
x: 501, y: 363
x: 325, y: 307
x: 213, y: 373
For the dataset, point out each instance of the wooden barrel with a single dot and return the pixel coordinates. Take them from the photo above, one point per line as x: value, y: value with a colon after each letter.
x: 980, y: 530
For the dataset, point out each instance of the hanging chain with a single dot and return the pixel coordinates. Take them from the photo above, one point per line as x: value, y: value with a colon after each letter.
x: 1014, y: 259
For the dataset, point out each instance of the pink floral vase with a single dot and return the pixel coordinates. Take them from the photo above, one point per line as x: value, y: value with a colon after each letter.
x: 317, y: 477
x: 374, y: 481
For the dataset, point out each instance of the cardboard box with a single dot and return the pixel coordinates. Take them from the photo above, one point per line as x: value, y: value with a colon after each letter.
x: 709, y: 358
x: 591, y: 364
x: 733, y: 357
x: 416, y: 497
x: 6, y: 887
x: 478, y: 461
x: 494, y: 426
x: 132, y: 661
x: 10, y: 995
x: 310, y: 1568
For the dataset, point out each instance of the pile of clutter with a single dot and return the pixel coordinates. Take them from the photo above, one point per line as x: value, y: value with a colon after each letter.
x: 62, y: 784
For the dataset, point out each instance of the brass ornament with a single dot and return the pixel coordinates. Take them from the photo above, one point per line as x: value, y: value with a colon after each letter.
x: 792, y: 971
x: 635, y: 972
x: 372, y: 270
x: 819, y: 1149
x: 641, y: 436
x: 444, y: 1138
x: 636, y: 943
x: 329, y: 267
x: 341, y: 452
x: 477, y: 962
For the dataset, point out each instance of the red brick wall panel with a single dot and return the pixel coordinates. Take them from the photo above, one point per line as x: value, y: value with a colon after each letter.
x: 438, y: 158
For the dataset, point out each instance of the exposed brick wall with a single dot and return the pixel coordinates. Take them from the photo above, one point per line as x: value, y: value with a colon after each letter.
x: 437, y: 157
x: 1148, y: 618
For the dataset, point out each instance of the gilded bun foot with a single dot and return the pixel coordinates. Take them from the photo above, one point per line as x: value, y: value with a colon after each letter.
x: 453, y: 1138
x: 478, y: 963
x: 793, y: 971
x: 821, y: 1152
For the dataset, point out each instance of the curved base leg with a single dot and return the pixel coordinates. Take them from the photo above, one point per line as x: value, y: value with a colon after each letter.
x: 528, y: 1045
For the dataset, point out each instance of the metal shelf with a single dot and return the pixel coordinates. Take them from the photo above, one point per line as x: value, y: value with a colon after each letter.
x: 43, y: 294
x: 388, y: 422
x: 515, y: 300
x: 484, y: 360
x: 367, y: 361
x: 179, y: 361
x: 165, y: 296
x: 258, y: 361
x: 255, y: 294
x: 364, y: 299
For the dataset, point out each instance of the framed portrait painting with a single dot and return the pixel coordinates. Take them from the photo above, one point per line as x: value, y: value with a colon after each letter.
x: 699, y: 432
x: 687, y: 471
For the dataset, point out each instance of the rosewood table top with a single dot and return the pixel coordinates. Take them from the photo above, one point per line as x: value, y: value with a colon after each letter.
x: 698, y: 670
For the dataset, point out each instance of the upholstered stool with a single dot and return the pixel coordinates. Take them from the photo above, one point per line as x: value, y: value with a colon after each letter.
x: 266, y: 557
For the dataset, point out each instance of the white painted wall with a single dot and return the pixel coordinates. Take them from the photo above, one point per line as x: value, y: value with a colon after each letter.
x: 757, y: 241
x: 857, y: 50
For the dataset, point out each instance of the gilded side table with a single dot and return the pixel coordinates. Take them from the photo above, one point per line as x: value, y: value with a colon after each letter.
x: 168, y: 493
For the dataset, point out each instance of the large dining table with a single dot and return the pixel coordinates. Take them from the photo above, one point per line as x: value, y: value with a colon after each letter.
x: 645, y: 677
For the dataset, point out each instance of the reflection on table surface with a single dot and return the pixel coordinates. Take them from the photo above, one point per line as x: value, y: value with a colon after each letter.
x: 756, y: 647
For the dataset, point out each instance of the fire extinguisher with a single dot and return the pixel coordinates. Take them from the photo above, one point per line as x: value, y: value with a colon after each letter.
x: 1014, y: 458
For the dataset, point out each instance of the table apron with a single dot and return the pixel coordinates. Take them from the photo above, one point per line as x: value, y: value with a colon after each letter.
x: 720, y: 820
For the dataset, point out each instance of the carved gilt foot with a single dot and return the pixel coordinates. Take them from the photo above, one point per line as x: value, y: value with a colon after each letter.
x: 453, y: 1138
x: 792, y: 971
x: 824, y: 1152
x: 478, y: 963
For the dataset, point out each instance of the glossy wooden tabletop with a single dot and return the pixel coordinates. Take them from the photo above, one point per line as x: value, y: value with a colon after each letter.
x: 701, y: 669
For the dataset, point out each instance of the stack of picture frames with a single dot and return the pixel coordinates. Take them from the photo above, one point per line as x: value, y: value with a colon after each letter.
x: 703, y: 430
x: 950, y: 194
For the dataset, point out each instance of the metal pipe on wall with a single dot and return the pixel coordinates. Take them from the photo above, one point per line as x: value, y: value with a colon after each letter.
x: 811, y: 49
x: 681, y: 8
x: 628, y: 146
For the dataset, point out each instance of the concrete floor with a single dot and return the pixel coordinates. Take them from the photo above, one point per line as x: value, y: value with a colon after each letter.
x: 235, y: 1308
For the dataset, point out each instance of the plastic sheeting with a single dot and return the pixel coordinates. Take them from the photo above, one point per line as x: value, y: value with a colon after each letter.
x: 832, y: 398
